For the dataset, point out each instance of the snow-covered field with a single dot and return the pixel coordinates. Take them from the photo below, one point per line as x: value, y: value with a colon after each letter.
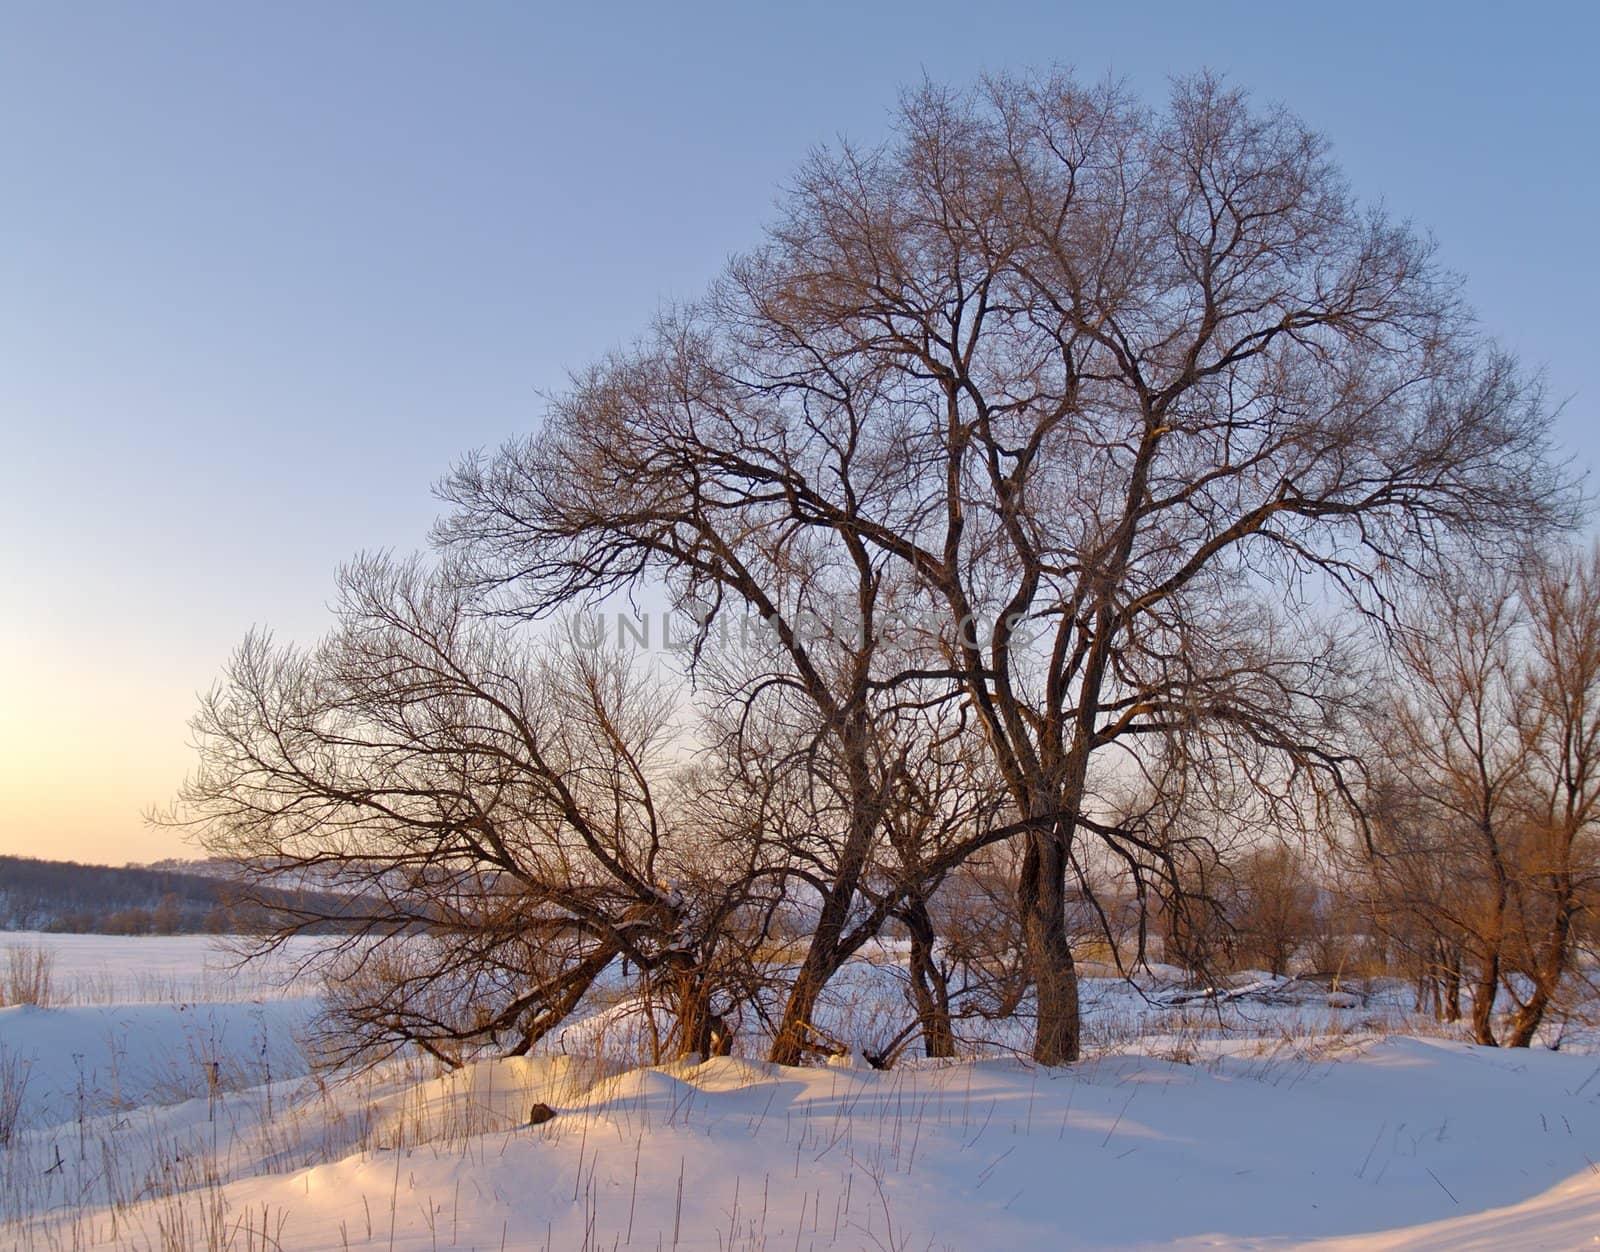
x: 182, y: 1122
x: 107, y: 969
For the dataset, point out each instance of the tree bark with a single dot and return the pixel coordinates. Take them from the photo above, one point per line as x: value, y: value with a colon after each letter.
x: 1042, y: 897
x: 788, y: 1045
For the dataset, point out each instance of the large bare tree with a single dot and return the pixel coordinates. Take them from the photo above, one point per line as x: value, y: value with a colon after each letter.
x: 1076, y: 378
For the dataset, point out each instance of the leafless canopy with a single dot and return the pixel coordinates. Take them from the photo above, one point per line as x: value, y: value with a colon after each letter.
x: 496, y: 816
x: 1104, y: 399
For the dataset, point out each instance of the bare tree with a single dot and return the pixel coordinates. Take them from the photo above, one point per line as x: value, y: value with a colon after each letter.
x: 1453, y: 741
x: 1274, y: 907
x: 800, y: 720
x: 948, y: 807
x: 1487, y: 832
x: 1409, y: 864
x: 804, y: 647
x: 1075, y: 378
x: 497, y: 814
x: 1559, y: 722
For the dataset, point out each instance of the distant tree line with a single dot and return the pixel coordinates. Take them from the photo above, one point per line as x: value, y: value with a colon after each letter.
x: 68, y: 897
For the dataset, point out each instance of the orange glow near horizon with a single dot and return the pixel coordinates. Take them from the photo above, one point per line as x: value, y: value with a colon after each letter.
x: 84, y: 753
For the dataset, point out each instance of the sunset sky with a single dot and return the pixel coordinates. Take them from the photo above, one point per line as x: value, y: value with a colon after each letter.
x: 265, y: 270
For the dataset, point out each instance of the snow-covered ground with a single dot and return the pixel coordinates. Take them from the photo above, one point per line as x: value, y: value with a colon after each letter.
x: 178, y: 1124
x: 110, y: 969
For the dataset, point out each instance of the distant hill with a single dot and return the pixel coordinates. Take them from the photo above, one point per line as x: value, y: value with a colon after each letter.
x: 168, y: 898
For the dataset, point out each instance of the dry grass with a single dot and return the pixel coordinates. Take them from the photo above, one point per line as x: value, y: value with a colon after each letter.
x: 27, y: 975
x: 13, y: 1090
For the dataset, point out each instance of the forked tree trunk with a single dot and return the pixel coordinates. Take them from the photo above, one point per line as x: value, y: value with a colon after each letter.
x: 1525, y: 1023
x: 788, y: 1045
x: 827, y: 954
x: 1545, y: 979
x: 821, y: 962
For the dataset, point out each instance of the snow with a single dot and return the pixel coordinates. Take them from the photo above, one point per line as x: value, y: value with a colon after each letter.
x: 110, y: 969
x: 1316, y: 1132
x: 103, y: 1058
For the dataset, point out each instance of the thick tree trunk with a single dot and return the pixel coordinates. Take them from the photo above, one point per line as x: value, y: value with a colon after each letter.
x: 788, y: 1045
x: 822, y: 959
x: 1042, y: 897
x: 830, y: 949
x: 1525, y: 1024
x: 697, y: 1025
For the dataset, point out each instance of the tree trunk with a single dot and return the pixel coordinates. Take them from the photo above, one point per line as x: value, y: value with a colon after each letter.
x: 1547, y: 978
x: 825, y: 955
x: 1427, y: 992
x: 696, y: 1022
x: 556, y: 1009
x: 1042, y: 897
x: 1483, y: 993
x: 1488, y: 983
x: 821, y: 963
x: 1525, y: 1024
x: 1452, y: 985
x: 788, y: 1045
x: 929, y: 987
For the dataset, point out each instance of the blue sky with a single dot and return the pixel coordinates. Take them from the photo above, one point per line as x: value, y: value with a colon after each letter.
x: 265, y: 270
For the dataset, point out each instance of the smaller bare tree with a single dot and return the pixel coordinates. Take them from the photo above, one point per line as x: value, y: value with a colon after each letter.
x: 1274, y: 907
x: 1490, y: 795
x: 497, y: 814
x: 1558, y: 720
